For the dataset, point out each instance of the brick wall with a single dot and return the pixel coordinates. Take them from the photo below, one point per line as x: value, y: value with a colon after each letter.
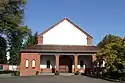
x: 40, y: 40
x: 89, y: 41
x: 30, y: 70
x: 93, y: 57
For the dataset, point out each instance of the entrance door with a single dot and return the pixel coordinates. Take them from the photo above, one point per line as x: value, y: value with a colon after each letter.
x: 65, y: 64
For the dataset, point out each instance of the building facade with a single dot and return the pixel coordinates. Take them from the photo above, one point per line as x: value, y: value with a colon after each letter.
x: 64, y: 47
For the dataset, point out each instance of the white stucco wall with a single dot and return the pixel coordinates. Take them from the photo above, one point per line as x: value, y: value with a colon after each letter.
x: 43, y: 60
x: 13, y: 67
x: 65, y: 34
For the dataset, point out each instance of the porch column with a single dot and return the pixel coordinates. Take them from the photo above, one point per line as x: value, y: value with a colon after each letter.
x: 57, y: 62
x: 75, y: 62
x: 93, y: 57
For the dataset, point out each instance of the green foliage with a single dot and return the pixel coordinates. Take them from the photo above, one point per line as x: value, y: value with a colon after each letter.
x: 32, y: 39
x: 12, y: 1
x: 15, y: 39
x: 108, y: 39
x: 11, y: 16
x: 11, y: 19
x: 112, y: 50
x: 3, y: 47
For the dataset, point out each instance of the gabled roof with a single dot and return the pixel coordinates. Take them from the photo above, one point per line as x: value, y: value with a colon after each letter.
x: 69, y: 22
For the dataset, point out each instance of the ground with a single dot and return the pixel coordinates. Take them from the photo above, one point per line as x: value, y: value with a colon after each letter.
x: 52, y: 79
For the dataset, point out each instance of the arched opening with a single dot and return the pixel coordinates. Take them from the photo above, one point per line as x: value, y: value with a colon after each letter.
x: 27, y: 63
x: 65, y: 64
x: 33, y: 63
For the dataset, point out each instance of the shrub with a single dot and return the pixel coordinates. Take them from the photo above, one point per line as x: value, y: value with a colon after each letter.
x: 15, y: 73
x: 76, y: 73
x: 57, y: 73
x: 5, y: 72
x: 37, y: 72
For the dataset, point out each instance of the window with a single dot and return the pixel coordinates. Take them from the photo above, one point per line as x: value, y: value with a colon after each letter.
x: 48, y: 63
x: 27, y: 63
x: 81, y: 63
x: 33, y: 63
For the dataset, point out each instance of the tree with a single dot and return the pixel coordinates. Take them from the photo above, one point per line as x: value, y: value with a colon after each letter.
x: 33, y: 39
x: 11, y: 17
x: 30, y: 40
x: 108, y: 39
x: 3, y: 46
x: 16, y: 39
x: 112, y: 49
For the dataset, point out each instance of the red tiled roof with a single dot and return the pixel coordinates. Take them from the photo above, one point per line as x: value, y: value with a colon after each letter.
x: 60, y: 48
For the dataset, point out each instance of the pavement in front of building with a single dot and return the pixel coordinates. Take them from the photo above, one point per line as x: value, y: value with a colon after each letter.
x: 62, y: 74
x: 5, y: 75
x: 52, y: 79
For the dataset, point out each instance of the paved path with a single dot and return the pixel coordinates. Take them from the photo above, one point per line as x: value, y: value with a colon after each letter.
x: 52, y: 79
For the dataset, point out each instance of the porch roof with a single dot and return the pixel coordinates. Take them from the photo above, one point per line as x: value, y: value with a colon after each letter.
x: 60, y: 48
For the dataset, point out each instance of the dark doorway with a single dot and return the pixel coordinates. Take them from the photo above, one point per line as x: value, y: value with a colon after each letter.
x: 65, y: 64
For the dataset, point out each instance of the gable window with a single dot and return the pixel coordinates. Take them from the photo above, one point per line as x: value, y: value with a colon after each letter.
x: 33, y: 63
x: 48, y: 63
x: 81, y: 63
x: 27, y: 63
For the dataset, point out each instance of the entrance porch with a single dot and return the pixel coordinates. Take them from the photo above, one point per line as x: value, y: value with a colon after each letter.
x: 65, y: 63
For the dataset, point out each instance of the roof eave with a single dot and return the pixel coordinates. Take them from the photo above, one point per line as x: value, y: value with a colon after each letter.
x: 61, y: 51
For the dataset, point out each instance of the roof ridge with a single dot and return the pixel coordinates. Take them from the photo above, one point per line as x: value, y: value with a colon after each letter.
x: 65, y: 18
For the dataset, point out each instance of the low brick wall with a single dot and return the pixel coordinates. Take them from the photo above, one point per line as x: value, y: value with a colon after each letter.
x: 4, y: 67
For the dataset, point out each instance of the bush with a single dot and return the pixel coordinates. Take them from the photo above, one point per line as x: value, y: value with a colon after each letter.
x: 5, y: 72
x: 37, y: 72
x: 76, y: 73
x: 57, y: 73
x: 15, y: 73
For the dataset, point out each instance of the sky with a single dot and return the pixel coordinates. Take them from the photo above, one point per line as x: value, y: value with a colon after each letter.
x: 96, y: 17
